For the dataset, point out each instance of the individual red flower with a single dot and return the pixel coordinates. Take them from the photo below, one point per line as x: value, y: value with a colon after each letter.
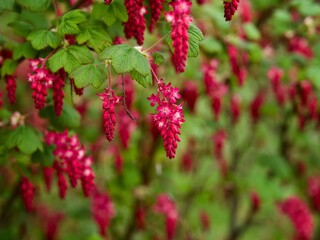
x: 300, y: 216
x: 180, y: 20
x: 230, y: 7
x: 110, y: 100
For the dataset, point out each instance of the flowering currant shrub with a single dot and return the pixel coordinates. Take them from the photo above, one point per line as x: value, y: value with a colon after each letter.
x: 159, y: 119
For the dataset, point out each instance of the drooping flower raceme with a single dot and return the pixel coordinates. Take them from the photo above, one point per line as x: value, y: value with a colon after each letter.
x: 109, y: 99
x: 136, y: 24
x: 169, y: 116
x: 27, y: 193
x: 11, y: 88
x: 180, y: 20
x: 230, y: 7
x: 156, y: 8
x: 300, y: 216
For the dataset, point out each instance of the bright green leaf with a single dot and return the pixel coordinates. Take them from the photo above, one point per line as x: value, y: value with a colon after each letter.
x: 87, y: 75
x: 95, y: 34
x: 104, y: 13
x: 34, y: 5
x: 251, y: 31
x: 119, y: 11
x: 24, y: 50
x: 68, y: 119
x: 144, y: 81
x: 9, y: 67
x: 69, y: 22
x: 70, y: 58
x: 43, y: 38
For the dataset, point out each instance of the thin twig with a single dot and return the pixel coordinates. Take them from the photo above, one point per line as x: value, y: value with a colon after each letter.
x: 156, y: 43
x: 124, y: 100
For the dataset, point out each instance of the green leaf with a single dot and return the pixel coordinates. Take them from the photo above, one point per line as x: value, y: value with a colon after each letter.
x: 251, y: 31
x: 109, y: 13
x: 24, y: 50
x: 144, y: 81
x: 9, y: 67
x: 34, y: 5
x: 69, y: 118
x: 25, y: 139
x: 87, y: 75
x: 21, y: 28
x: 158, y: 58
x: 95, y: 34
x: 70, y: 58
x: 6, y: 5
x: 69, y: 22
x: 45, y: 157
x: 41, y: 39
x: 195, y: 36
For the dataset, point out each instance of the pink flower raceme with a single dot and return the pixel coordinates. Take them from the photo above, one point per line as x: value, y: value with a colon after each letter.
x: 180, y: 21
x: 255, y: 202
x: 48, y: 177
x: 41, y: 80
x: 58, y: 94
x: 140, y: 216
x: 300, y: 46
x: 169, y: 116
x: 204, y: 220
x: 255, y: 106
x: 219, y: 139
x: 190, y: 94
x: 102, y: 210
x: 230, y: 7
x: 300, y: 217
x: 156, y: 8
x: 209, y: 75
x: 109, y: 99
x: 186, y: 162
x: 136, y: 24
x: 238, y: 71
x: 275, y: 75
x: 27, y: 193
x: 126, y: 127
x: 118, y: 40
x: 71, y: 159
x: 235, y: 108
x: 246, y: 11
x: 107, y: 2
x: 166, y: 206
x: 216, y: 98
x: 11, y: 88
x: 314, y: 192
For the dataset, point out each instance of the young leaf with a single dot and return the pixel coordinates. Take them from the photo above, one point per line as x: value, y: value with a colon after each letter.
x: 104, y: 13
x: 35, y: 6
x: 68, y: 119
x: 24, y: 50
x: 69, y: 22
x: 44, y: 38
x: 87, y: 75
x: 158, y: 58
x: 25, y: 139
x: 9, y: 67
x: 95, y: 34
x: 70, y: 58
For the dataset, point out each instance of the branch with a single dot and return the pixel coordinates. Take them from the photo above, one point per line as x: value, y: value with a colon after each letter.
x: 124, y: 100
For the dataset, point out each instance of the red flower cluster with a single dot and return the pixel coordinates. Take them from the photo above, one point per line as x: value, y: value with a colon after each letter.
x: 169, y: 117
x: 235, y: 108
x: 230, y: 7
x: 136, y: 24
x: 102, y: 210
x: 300, y: 216
x: 156, y: 8
x: 107, y: 2
x: 215, y: 89
x: 275, y: 75
x: 78, y: 91
x: 109, y: 99
x: 255, y: 202
x: 27, y: 193
x: 180, y: 21
x: 166, y: 206
x: 255, y: 106
x: 300, y: 46
x: 246, y: 11
x: 41, y: 79
x: 126, y: 127
x: 71, y: 160
x: 11, y: 88
x: 190, y: 94
x: 314, y: 191
x: 236, y: 60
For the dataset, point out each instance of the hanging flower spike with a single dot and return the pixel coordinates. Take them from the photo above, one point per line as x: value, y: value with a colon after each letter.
x: 102, y: 210
x: 27, y: 193
x: 126, y: 127
x: 58, y: 94
x: 107, y: 2
x: 41, y: 80
x: 209, y: 75
x: 78, y: 91
x: 62, y: 182
x: 256, y: 105
x: 230, y: 7
x: 204, y: 220
x: 246, y: 12
x: 255, y: 202
x: 314, y: 192
x: 87, y: 179
x: 11, y: 88
x: 166, y: 206
x: 180, y: 21
x: 235, y: 108
x: 169, y: 116
x: 1, y: 99
x: 300, y: 216
x: 156, y: 8
x: 190, y: 94
x: 136, y: 24
x: 109, y: 99
x: 48, y: 177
